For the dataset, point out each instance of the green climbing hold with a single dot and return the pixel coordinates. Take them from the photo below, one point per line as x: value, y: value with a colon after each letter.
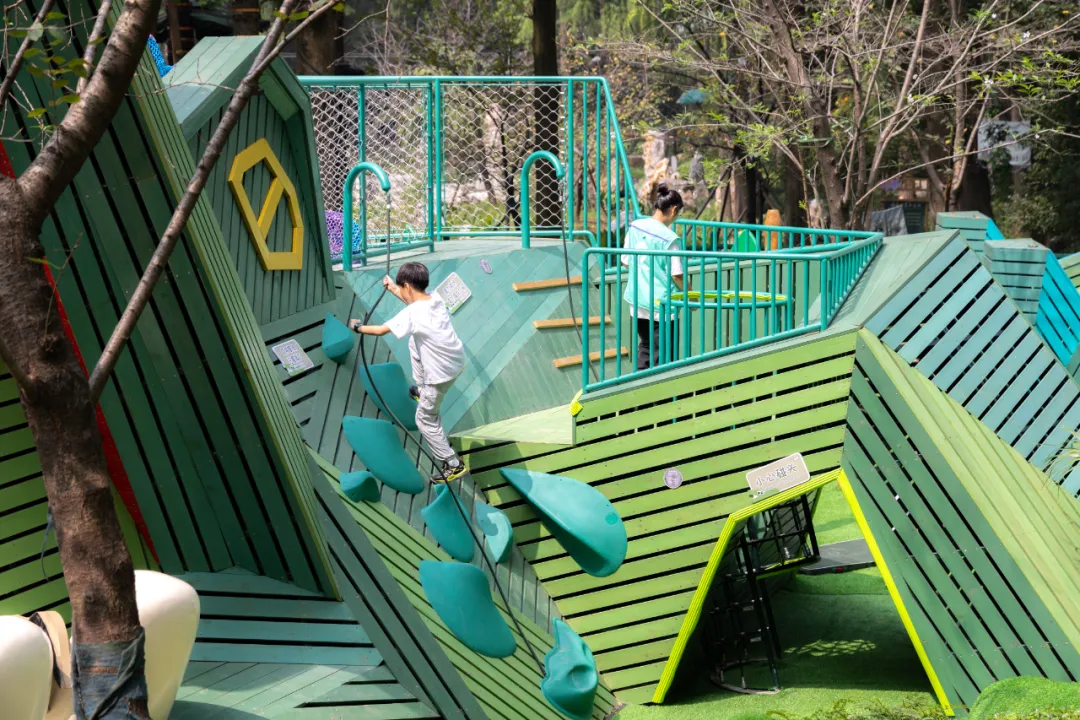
x: 584, y: 522
x: 393, y: 387
x: 337, y: 340
x: 378, y: 445
x: 570, y: 676
x: 498, y: 533
x: 461, y: 597
x: 360, y: 486
x: 445, y: 519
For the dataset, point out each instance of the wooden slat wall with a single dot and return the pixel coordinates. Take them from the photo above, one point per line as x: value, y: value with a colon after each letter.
x: 955, y: 324
x: 1019, y: 265
x: 731, y: 418
x: 274, y: 294
x: 322, y: 396
x: 1058, y: 318
x: 970, y: 224
x: 31, y: 578
x: 215, y: 460
x: 507, y: 689
x: 1071, y: 266
x: 252, y: 618
x: 974, y: 536
x: 223, y: 690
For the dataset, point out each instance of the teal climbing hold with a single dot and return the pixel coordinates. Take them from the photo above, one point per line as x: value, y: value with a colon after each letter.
x: 360, y: 486
x: 584, y: 522
x: 393, y: 387
x: 378, y: 445
x: 570, y: 676
x: 337, y: 340
x: 445, y: 519
x: 498, y: 533
x: 460, y: 595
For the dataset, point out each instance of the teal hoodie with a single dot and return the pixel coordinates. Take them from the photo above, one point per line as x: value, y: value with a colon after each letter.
x: 650, y: 274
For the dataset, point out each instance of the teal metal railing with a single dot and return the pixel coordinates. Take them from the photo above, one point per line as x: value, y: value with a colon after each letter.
x: 729, y: 301
x: 347, y: 215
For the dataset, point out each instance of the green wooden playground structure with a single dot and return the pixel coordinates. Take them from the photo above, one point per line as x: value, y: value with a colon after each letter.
x: 265, y: 457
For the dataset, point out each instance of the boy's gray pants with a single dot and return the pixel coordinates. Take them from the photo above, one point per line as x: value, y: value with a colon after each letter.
x: 428, y: 421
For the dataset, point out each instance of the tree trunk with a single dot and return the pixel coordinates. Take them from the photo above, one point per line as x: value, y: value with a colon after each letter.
x: 815, y: 109
x: 173, y: 14
x: 319, y: 48
x: 185, y: 28
x: 245, y: 17
x: 794, y: 215
x: 974, y: 190
x: 97, y: 565
x: 546, y: 106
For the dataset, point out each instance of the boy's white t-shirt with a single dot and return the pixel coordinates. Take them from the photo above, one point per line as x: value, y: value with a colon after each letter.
x: 433, y: 339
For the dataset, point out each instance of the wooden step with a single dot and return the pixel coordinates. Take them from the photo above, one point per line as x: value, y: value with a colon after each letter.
x: 545, y: 284
x: 567, y: 322
x: 576, y: 359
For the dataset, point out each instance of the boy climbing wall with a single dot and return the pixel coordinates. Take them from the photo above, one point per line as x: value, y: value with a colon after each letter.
x: 438, y: 357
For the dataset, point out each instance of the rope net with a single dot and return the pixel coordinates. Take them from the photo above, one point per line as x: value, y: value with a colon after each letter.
x: 454, y: 157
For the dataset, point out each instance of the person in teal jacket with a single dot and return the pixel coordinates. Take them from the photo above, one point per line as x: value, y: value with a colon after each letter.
x: 647, y: 281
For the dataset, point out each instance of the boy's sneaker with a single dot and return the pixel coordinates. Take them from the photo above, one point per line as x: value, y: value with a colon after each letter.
x: 414, y: 393
x: 448, y: 473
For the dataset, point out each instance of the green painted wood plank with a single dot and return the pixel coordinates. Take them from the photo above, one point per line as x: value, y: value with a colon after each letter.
x: 288, y: 654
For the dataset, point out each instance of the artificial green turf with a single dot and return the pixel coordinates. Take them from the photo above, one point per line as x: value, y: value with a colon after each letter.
x: 1025, y: 695
x: 842, y: 640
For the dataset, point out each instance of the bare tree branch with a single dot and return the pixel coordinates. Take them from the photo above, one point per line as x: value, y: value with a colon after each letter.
x: 21, y: 378
x: 20, y: 55
x: 87, y: 120
x: 92, y: 42
x: 269, y: 51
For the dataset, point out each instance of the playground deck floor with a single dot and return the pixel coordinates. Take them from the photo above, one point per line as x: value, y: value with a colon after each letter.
x: 458, y: 247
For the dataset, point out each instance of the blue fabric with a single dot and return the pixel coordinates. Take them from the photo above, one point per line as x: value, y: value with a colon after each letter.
x: 159, y: 59
x: 335, y: 232
x: 378, y: 445
x: 106, y: 676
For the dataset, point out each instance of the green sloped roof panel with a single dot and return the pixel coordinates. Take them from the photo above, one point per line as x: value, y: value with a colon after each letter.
x: 979, y: 541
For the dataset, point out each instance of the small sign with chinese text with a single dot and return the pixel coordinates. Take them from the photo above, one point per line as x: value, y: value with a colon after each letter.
x: 453, y: 292
x: 292, y: 357
x: 776, y: 476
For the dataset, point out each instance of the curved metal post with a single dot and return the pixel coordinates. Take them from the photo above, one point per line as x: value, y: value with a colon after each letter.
x: 524, y: 184
x: 347, y: 212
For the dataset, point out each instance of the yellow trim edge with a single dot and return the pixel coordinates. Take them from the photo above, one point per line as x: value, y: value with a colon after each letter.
x: 894, y: 592
x: 690, y: 621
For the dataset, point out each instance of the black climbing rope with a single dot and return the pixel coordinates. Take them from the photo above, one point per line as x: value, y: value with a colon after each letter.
x: 435, y: 461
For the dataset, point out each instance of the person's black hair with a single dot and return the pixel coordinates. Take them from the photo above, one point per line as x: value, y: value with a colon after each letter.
x: 413, y: 274
x: 666, y: 198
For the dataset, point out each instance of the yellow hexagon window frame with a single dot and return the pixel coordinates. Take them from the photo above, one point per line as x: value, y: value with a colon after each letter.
x: 259, y: 227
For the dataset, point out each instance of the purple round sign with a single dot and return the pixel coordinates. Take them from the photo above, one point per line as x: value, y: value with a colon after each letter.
x: 485, y: 266
x: 672, y: 478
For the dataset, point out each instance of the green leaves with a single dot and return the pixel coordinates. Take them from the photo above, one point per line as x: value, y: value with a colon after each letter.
x: 36, y: 113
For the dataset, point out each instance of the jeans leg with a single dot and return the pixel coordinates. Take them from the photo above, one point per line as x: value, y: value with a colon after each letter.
x: 644, y: 351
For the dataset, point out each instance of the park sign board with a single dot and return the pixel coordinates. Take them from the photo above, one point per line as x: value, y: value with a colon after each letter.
x: 292, y: 357
x: 777, y: 476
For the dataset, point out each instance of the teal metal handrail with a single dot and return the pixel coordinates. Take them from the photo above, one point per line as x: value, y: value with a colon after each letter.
x: 742, y: 300
x: 347, y: 212
x: 523, y: 183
